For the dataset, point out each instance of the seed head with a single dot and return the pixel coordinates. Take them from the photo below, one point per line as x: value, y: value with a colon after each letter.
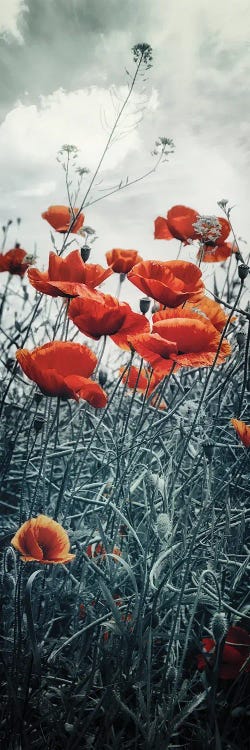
x: 219, y: 626
x: 163, y: 526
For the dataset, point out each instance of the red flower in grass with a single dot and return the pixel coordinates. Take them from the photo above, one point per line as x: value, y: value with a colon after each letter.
x: 182, y: 337
x: 68, y: 277
x: 103, y: 315
x: 145, y: 381
x: 235, y: 652
x: 243, y: 431
x: 179, y: 224
x: 14, y: 261
x: 60, y: 218
x: 124, y: 618
x: 42, y: 540
x: 63, y: 369
x: 170, y: 282
x: 97, y: 550
x: 121, y: 261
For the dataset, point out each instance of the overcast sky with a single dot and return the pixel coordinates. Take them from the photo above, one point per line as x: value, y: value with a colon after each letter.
x: 60, y: 62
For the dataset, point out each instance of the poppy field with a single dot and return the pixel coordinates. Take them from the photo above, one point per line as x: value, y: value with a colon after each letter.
x: 125, y: 444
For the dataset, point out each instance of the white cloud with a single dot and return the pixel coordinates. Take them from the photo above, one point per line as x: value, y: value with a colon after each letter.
x: 10, y: 14
x: 34, y: 191
x: 199, y: 80
x: 83, y: 117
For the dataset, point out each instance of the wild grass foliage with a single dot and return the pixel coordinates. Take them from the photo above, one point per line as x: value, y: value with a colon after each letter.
x: 124, y: 487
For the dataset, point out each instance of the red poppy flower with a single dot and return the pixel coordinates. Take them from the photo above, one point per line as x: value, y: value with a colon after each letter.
x: 124, y: 618
x: 62, y: 368
x: 171, y: 282
x: 103, y: 315
x: 121, y: 261
x: 60, y: 218
x: 236, y: 651
x: 195, y: 337
x: 68, y: 277
x: 145, y: 381
x: 155, y: 350
x: 211, y: 310
x: 187, y: 225
x: 182, y: 337
x: 179, y: 224
x: 14, y: 261
x: 98, y: 550
x: 42, y: 540
x: 158, y: 404
x: 216, y: 253
x: 243, y: 431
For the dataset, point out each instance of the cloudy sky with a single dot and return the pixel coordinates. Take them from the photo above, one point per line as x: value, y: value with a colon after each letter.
x: 63, y: 75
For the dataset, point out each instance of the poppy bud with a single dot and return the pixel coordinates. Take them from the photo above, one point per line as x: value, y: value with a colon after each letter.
x: 240, y: 338
x: 123, y: 530
x: 144, y: 305
x: 38, y: 397
x: 69, y: 728
x: 208, y: 448
x: 38, y: 423
x: 10, y: 363
x: 102, y: 377
x: 155, y: 307
x: 122, y: 277
x: 85, y: 253
x: 219, y: 626
x: 243, y: 271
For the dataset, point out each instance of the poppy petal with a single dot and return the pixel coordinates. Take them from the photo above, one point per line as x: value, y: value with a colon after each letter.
x: 243, y: 431
x: 162, y: 232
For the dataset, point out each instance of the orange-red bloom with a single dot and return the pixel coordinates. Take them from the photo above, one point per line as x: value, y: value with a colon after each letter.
x: 179, y: 224
x: 235, y: 653
x: 210, y: 309
x: 121, y: 261
x: 155, y: 350
x: 171, y: 282
x: 97, y: 550
x: 60, y: 218
x: 182, y: 337
x: 243, y: 431
x: 216, y: 253
x: 62, y: 368
x: 42, y: 540
x: 68, y: 277
x: 103, y: 315
x: 14, y: 261
x: 187, y: 225
x: 143, y: 382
